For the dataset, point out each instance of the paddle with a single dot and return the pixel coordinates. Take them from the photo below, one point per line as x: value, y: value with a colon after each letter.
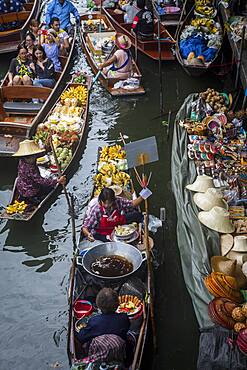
x: 95, y: 79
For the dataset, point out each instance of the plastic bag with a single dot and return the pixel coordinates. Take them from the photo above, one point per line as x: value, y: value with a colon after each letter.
x: 154, y: 223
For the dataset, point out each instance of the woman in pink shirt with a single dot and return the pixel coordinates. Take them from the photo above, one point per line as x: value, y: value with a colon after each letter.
x: 120, y: 64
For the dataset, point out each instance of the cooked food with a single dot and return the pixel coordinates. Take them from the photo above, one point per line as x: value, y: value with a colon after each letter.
x: 125, y: 230
x: 129, y: 304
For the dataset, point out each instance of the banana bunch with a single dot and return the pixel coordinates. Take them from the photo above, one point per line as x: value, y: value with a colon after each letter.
x: 208, y: 11
x: 204, y: 2
x: 108, y: 169
x: 111, y: 152
x: 79, y: 93
x: 121, y: 179
x: 204, y: 22
x: 16, y: 207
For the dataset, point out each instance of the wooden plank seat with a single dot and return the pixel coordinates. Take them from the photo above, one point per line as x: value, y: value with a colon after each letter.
x: 22, y: 107
x: 14, y: 17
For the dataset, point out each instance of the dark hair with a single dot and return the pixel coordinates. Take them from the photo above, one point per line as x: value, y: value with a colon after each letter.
x: 141, y: 4
x: 21, y: 46
x: 106, y: 194
x: 34, y: 23
x: 40, y: 48
x: 30, y: 34
x: 54, y: 19
x: 107, y: 300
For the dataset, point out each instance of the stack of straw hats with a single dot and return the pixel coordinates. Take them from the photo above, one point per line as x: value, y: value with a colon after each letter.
x: 221, y: 285
x: 220, y: 312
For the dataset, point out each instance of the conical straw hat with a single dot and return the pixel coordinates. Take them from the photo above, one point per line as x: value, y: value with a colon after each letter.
x: 28, y: 147
x: 201, y: 184
x: 240, y: 243
x: 123, y: 41
x: 240, y: 257
x: 229, y: 267
x: 211, y: 198
x: 217, y: 219
x: 226, y: 243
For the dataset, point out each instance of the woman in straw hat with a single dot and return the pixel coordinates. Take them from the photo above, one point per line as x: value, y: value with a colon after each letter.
x: 31, y: 186
x: 120, y: 64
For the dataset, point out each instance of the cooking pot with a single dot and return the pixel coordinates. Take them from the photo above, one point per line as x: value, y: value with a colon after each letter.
x: 131, y: 253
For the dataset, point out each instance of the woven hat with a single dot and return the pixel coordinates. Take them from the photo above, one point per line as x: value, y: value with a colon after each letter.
x: 211, y: 198
x: 217, y: 219
x: 117, y: 189
x: 240, y: 257
x: 123, y: 42
x: 201, y: 184
x: 226, y: 243
x: 221, y: 285
x: 28, y: 147
x: 229, y: 267
x: 240, y: 243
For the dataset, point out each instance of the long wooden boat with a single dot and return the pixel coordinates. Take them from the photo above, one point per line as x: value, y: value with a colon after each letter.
x: 18, y: 115
x: 10, y: 39
x: 88, y: 38
x: 78, y: 289
x: 76, y: 148
x: 192, y: 70
x: 148, y: 47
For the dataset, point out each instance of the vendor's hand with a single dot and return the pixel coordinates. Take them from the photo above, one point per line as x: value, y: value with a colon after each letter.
x: 90, y: 238
x: 10, y: 83
x: 62, y: 180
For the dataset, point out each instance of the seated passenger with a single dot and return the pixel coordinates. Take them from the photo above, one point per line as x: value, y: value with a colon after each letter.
x: 34, y: 30
x: 121, y: 61
x: 29, y: 42
x: 51, y: 47
x: 43, y: 68
x: 31, y: 186
x: 62, y: 9
x: 110, y: 211
x: 108, y: 322
x: 143, y: 24
x: 62, y: 36
x: 20, y: 72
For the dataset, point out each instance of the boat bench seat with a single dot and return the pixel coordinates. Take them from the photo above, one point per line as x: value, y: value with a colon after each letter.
x: 22, y: 107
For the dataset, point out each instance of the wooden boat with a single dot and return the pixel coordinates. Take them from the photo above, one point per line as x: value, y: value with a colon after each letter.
x: 88, y: 40
x: 27, y: 215
x: 192, y: 70
x: 18, y: 115
x: 148, y: 47
x: 10, y: 39
x: 80, y: 282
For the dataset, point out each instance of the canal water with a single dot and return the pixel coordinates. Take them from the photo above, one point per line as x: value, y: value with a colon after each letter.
x: 35, y: 257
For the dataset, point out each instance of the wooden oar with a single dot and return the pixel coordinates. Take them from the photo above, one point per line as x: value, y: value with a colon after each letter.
x: 95, y: 79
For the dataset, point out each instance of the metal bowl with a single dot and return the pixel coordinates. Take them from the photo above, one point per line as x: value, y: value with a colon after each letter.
x: 132, y: 254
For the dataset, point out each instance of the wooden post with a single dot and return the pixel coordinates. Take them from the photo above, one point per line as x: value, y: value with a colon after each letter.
x: 240, y: 58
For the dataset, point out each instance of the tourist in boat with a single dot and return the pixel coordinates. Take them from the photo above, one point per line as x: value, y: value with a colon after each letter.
x: 62, y: 9
x: 105, y: 333
x: 34, y: 29
x: 130, y: 8
x: 143, y: 23
x: 43, y: 68
x: 31, y: 186
x: 108, y: 212
x: 120, y: 64
x: 62, y: 36
x: 51, y: 47
x: 29, y: 42
x: 20, y: 72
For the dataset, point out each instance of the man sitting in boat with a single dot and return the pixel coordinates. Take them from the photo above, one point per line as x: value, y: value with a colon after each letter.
x: 143, y: 24
x: 62, y: 36
x: 62, y: 9
x: 31, y: 186
x: 20, y: 72
x: 110, y: 211
x: 121, y: 61
x: 105, y: 334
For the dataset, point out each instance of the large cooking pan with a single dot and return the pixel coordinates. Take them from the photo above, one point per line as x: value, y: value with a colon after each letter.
x: 132, y: 254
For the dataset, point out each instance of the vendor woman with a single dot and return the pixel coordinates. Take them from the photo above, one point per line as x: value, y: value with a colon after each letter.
x: 120, y: 64
x: 31, y: 186
x: 110, y: 211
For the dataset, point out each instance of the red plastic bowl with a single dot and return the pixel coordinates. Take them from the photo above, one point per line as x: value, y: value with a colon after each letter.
x: 82, y: 308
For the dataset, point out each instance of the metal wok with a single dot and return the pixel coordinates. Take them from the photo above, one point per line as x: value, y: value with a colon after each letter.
x: 132, y: 254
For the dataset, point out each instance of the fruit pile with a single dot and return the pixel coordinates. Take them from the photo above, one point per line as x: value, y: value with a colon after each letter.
x: 216, y: 100
x: 16, y: 207
x: 76, y: 96
x: 210, y: 24
x: 64, y: 156
x: 205, y: 8
x: 112, y: 162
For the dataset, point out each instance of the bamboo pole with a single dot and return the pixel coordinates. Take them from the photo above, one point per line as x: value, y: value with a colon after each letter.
x: 180, y: 20
x: 240, y: 57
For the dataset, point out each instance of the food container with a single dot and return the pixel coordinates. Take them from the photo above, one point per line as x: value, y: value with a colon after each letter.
x: 53, y: 168
x: 82, y: 308
x: 127, y: 235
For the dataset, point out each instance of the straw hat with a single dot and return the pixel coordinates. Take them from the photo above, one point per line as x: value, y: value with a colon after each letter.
x: 226, y: 243
x: 244, y: 268
x: 229, y: 267
x: 211, y: 198
x: 240, y: 243
x: 201, y: 184
x: 240, y: 257
x: 123, y: 42
x: 217, y: 219
x: 28, y: 147
x: 221, y: 285
x: 117, y: 189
